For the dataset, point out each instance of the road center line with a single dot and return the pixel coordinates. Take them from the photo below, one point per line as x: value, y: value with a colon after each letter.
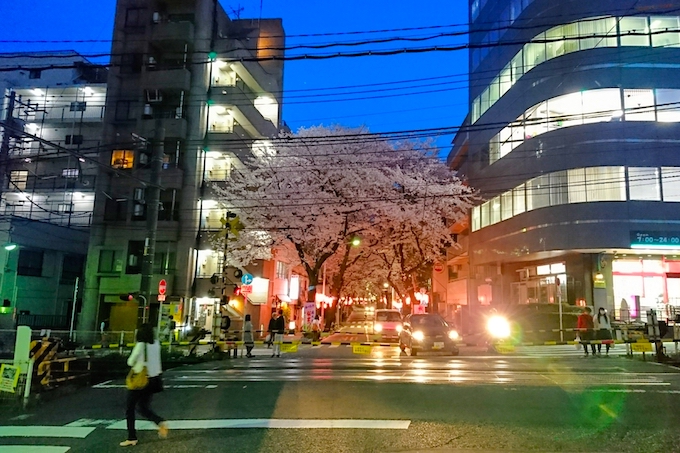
x: 271, y: 424
x: 45, y: 431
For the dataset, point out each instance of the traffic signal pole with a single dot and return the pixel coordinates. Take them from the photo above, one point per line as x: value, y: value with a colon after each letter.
x: 152, y: 197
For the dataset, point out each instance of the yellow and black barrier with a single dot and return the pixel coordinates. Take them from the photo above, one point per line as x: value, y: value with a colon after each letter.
x: 60, y: 370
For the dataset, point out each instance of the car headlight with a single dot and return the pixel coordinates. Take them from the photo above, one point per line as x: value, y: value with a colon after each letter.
x: 378, y: 328
x: 453, y: 335
x: 498, y: 327
x: 399, y: 329
x: 418, y: 335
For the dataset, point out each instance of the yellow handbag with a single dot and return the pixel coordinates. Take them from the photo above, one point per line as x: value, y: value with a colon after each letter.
x: 137, y: 381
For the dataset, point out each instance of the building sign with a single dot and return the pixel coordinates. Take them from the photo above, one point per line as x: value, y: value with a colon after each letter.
x: 655, y: 239
x: 9, y: 377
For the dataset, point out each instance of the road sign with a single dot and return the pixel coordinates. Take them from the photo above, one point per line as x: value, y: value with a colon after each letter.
x: 247, y: 279
x: 641, y: 347
x: 246, y: 289
x: 161, y: 298
x: 438, y: 268
x: 361, y: 349
x: 162, y: 287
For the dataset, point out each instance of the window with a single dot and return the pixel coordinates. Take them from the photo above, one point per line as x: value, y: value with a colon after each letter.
x: 505, y: 80
x: 634, y: 31
x: 534, y: 53
x: 476, y: 224
x: 30, y: 263
x: 670, y: 178
x: 169, y: 207
x: 559, y: 190
x: 598, y: 28
x: 34, y: 73
x: 643, y: 183
x: 605, y: 184
x: 668, y: 106
x: 576, y: 180
x: 69, y: 173
x: 485, y: 214
x: 18, y: 179
x: 665, y: 31
x: 71, y: 268
x: 281, y: 270
x: 519, y: 204
x: 164, y: 258
x: 115, y: 209
x: 107, y: 261
x: 506, y: 205
x: 135, y: 17
x: 538, y: 192
x: 74, y: 140
x: 122, y: 159
x: 639, y: 105
x: 131, y: 63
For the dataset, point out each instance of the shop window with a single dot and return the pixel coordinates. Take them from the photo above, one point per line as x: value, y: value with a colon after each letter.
x: 668, y: 106
x: 639, y: 105
x: 123, y: 159
x: 670, y: 179
x: 665, y: 31
x: 30, y: 263
x: 634, y: 31
x: 643, y: 183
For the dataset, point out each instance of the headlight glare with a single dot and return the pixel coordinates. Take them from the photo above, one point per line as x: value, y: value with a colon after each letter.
x: 378, y: 328
x: 453, y: 335
x: 399, y: 328
x: 498, y: 327
x: 418, y: 335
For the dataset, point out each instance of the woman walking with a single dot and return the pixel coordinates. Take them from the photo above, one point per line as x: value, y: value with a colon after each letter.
x: 604, y: 329
x: 248, y: 340
x: 145, y: 354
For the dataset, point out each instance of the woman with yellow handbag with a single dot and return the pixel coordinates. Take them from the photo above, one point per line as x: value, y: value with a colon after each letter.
x: 142, y: 382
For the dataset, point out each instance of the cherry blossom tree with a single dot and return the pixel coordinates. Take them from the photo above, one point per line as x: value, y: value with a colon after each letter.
x: 315, y: 191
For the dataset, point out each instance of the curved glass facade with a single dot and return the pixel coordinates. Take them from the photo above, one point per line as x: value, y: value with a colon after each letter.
x: 641, y: 31
x: 581, y: 185
x: 584, y: 107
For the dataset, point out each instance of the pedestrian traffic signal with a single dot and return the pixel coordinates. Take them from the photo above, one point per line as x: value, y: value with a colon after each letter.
x: 237, y: 291
x: 127, y: 297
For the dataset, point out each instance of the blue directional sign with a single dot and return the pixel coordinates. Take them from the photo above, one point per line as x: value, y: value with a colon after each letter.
x: 247, y: 279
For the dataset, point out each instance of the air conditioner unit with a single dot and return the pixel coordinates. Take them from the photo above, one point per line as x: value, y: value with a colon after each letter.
x: 154, y: 96
x: 148, y: 110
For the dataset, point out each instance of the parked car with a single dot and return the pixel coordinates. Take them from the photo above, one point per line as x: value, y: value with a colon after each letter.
x: 387, y: 324
x: 428, y: 332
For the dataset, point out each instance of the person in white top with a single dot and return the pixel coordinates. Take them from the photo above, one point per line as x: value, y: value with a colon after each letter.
x: 146, y: 353
x: 603, y: 327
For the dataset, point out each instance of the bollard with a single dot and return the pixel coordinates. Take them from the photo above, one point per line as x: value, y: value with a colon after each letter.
x: 22, y: 348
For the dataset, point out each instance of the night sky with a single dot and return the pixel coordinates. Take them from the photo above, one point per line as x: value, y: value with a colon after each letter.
x: 438, y: 79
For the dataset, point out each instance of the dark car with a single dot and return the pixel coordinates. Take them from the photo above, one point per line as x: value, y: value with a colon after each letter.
x: 428, y: 332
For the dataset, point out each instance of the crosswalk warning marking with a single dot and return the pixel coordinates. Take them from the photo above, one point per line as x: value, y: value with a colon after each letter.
x: 33, y: 449
x: 270, y: 424
x: 45, y: 431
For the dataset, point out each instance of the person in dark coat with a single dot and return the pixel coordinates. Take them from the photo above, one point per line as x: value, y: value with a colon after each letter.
x: 279, y: 329
x: 270, y: 330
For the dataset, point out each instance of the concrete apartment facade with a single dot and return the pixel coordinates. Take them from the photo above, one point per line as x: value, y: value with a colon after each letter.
x: 205, y: 79
x: 573, y: 141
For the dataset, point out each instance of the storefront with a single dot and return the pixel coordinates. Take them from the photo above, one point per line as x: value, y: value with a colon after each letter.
x: 643, y: 283
x: 541, y: 284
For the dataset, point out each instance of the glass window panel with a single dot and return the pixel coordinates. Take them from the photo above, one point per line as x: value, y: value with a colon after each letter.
x: 494, y: 91
x: 601, y: 105
x: 485, y: 214
x: 505, y: 141
x: 476, y: 105
x: 505, y: 80
x: 628, y: 26
x: 670, y: 179
x: 517, y: 131
x: 643, y: 183
x: 476, y: 221
x: 506, y: 205
x: 555, y: 45
x: 668, y: 106
x: 495, y: 210
x: 665, y: 31
x: 518, y: 200
x: 538, y: 192
x: 599, y: 28
x: 639, y: 105
x: 536, y: 120
x: 517, y: 67
x: 559, y: 192
x: 605, y: 184
x: 576, y: 180
x: 534, y: 53
x: 485, y: 101
x: 565, y: 111
x: 494, y: 149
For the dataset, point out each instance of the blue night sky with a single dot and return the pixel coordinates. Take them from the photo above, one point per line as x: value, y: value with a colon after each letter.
x: 438, y: 78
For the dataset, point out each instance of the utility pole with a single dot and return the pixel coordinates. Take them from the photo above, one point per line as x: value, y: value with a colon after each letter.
x: 152, y: 196
x: 8, y: 130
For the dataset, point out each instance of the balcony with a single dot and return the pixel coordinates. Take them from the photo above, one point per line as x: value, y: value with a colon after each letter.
x: 244, y: 112
x: 251, y: 71
x: 169, y: 79
x: 173, y: 31
x: 174, y: 127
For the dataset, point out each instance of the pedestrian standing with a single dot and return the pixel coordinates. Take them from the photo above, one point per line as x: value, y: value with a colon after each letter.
x: 145, y: 354
x: 585, y: 324
x: 316, y: 328
x: 603, y: 328
x: 279, y: 329
x: 270, y: 330
x: 248, y: 340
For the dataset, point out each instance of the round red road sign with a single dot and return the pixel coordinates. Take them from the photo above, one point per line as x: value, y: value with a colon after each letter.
x: 162, y: 287
x: 438, y: 268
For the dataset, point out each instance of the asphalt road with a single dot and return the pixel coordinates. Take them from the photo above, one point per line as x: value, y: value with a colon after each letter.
x: 327, y: 399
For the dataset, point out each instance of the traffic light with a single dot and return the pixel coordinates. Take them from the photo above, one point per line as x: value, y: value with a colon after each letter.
x: 237, y: 291
x: 127, y: 297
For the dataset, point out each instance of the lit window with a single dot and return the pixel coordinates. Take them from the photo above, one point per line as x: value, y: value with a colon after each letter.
x: 670, y: 179
x: 668, y: 106
x: 665, y: 31
x: 639, y: 105
x: 476, y: 223
x: 18, y: 179
x: 69, y: 173
x: 643, y: 183
x: 605, y: 184
x: 518, y: 200
x: 122, y: 159
x: 634, y: 31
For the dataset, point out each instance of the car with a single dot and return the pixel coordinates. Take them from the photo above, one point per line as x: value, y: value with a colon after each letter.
x: 387, y: 324
x: 428, y: 332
